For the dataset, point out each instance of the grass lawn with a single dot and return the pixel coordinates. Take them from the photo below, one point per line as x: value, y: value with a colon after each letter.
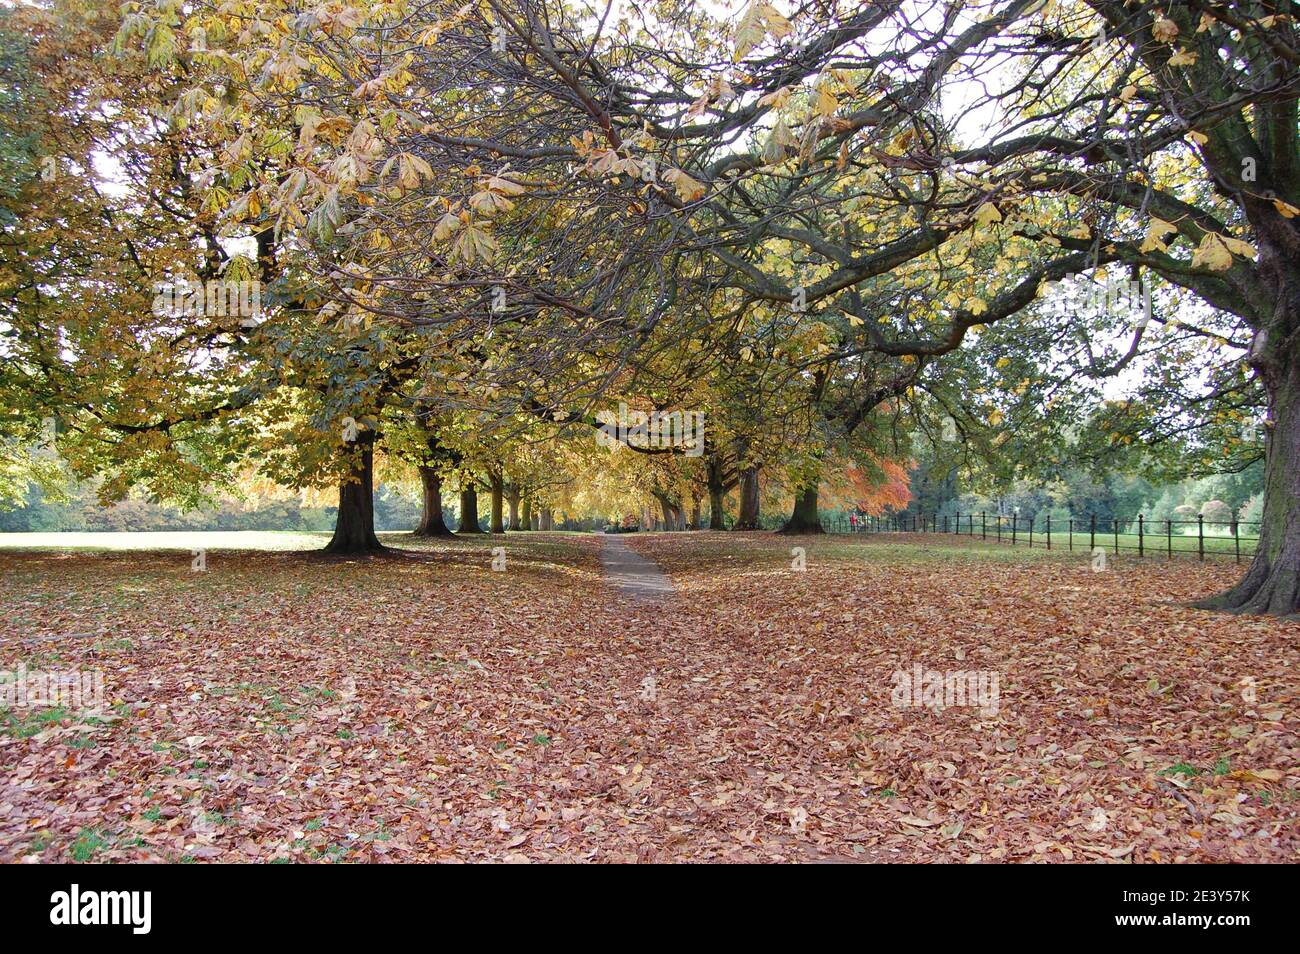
x: 1152, y: 544
x: 284, y: 706
x: 166, y: 540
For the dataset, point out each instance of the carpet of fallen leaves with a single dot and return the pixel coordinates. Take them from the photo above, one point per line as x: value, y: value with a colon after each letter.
x: 288, y: 707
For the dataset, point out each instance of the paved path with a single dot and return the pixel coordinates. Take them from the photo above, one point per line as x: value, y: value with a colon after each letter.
x: 632, y: 574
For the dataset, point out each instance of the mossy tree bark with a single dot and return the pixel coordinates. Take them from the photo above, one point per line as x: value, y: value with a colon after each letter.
x: 804, y: 519
x: 1271, y: 585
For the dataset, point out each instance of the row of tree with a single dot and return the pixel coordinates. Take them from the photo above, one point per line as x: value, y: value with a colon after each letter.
x: 835, y: 230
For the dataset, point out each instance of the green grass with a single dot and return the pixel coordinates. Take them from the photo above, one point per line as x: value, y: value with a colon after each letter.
x: 216, y: 540
x: 20, y: 727
x: 105, y: 542
x: 1153, y: 544
x: 89, y: 842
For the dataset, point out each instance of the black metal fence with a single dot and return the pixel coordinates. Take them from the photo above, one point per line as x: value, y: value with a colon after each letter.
x: 1146, y: 537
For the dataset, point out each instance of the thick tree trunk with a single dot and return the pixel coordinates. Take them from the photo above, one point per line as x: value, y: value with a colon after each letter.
x: 496, y: 525
x: 695, y: 523
x: 354, y: 528
x: 717, y: 514
x: 468, y: 510
x: 748, y: 519
x: 717, y: 491
x: 669, y: 512
x: 431, y: 521
x: 804, y: 519
x: 672, y: 511
x: 526, y: 515
x: 535, y: 522
x: 512, y: 499
x: 1272, y: 582
x: 547, y: 519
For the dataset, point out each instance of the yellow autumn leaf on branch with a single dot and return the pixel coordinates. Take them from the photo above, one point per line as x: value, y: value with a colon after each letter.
x: 1215, y: 252
x: 1156, y: 232
x: 826, y: 101
x: 688, y: 189
x: 987, y: 214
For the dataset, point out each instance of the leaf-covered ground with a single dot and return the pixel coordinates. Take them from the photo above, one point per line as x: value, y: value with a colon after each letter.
x: 282, y: 706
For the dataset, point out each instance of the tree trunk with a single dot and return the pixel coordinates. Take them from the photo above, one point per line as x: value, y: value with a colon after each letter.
x: 512, y: 498
x: 1272, y: 582
x: 354, y: 528
x: 748, y: 519
x: 496, y: 525
x: 804, y: 519
x: 548, y: 519
x: 672, y: 511
x: 535, y: 522
x: 526, y: 515
x: 717, y: 513
x: 695, y: 523
x: 468, y: 510
x: 717, y: 491
x: 431, y: 521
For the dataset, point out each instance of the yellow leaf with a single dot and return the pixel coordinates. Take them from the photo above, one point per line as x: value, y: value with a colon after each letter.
x: 826, y: 101
x: 987, y: 214
x: 688, y: 189
x: 1212, y: 253
x: 1256, y: 775
x: 1156, y: 233
x: 1238, y: 247
x: 1287, y: 209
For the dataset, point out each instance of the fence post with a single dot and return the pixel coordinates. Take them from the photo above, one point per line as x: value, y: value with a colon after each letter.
x: 1141, y: 551
x: 999, y: 515
x: 1114, y: 528
x: 1049, y: 531
x: 1200, y: 535
x: 1031, y: 533
x: 1014, y: 520
x: 984, y: 526
x: 1169, y: 538
x: 1236, y: 537
x: 1092, y: 533
x: 1070, y: 530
